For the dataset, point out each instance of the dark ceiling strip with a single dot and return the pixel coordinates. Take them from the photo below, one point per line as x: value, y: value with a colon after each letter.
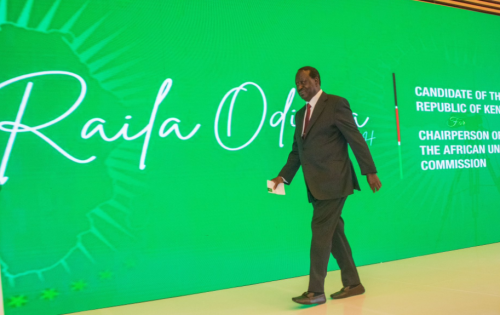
x: 462, y: 6
x: 486, y: 5
x: 491, y: 1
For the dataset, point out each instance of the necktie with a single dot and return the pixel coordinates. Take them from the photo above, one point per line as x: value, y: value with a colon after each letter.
x: 308, y: 116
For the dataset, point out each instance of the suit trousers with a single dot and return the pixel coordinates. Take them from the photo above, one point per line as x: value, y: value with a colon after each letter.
x: 328, y: 237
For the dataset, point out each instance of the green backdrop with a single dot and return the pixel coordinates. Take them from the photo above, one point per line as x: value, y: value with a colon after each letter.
x: 129, y: 174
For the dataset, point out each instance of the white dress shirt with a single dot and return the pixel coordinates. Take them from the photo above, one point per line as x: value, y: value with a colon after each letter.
x: 312, y: 102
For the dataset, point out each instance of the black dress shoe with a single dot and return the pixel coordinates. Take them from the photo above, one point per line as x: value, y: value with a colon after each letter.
x: 309, y: 298
x: 348, y: 291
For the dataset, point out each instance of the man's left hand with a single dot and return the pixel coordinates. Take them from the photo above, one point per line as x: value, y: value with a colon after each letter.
x: 374, y: 182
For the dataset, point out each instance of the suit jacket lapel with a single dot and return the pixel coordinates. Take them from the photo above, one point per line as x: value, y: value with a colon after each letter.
x: 299, y: 121
x: 320, y: 105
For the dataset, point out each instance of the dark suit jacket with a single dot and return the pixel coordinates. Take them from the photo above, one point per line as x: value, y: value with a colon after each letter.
x: 323, y: 154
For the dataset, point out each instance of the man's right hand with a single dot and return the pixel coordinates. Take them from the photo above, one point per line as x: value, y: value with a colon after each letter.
x: 278, y: 180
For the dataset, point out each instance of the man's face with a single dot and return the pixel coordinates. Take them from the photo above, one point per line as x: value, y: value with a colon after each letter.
x: 306, y: 86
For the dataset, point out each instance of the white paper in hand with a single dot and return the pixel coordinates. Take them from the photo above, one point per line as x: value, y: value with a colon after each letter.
x: 280, y: 190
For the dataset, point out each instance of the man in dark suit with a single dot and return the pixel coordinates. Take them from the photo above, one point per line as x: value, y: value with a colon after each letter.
x: 325, y: 126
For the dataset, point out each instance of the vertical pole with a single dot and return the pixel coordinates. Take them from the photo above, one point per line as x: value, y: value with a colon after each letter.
x: 397, y: 126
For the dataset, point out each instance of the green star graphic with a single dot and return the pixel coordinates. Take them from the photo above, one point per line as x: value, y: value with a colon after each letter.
x: 18, y: 301
x: 106, y: 275
x: 49, y: 294
x: 78, y: 286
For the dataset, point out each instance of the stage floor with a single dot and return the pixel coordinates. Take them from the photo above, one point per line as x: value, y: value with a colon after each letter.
x: 459, y: 282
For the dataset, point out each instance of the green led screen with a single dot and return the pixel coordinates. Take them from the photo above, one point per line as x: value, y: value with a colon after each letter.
x: 136, y: 138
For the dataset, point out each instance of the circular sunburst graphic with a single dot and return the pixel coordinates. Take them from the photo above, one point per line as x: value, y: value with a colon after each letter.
x: 66, y: 201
